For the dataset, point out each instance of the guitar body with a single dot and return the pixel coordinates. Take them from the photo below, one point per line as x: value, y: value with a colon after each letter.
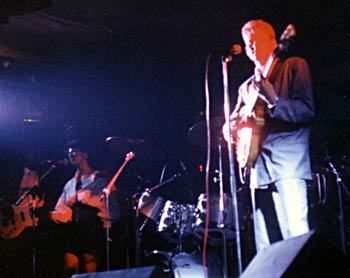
x: 248, y: 137
x: 13, y: 225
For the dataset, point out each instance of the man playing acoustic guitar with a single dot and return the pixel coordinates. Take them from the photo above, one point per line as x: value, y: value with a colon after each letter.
x: 273, y: 113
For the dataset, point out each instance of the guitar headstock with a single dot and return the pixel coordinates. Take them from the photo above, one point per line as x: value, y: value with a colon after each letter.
x: 129, y: 156
x: 286, y: 38
x: 288, y: 33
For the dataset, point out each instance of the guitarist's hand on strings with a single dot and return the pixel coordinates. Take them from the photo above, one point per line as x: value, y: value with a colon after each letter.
x: 241, y: 118
x: 226, y: 131
x: 244, y: 114
x: 267, y: 90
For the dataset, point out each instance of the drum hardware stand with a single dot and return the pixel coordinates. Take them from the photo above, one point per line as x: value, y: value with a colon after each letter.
x: 221, y: 222
x: 180, y: 230
x: 233, y: 184
x: 138, y: 231
x: 340, y: 186
x: 164, y: 182
x: 138, y: 228
x: 33, y: 191
x: 178, y: 249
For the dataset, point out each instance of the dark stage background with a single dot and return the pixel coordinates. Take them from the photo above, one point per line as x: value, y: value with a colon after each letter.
x: 135, y: 70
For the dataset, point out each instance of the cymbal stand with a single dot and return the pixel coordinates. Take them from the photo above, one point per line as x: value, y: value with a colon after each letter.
x: 233, y: 185
x: 180, y: 231
x: 33, y: 191
x: 138, y: 227
x: 340, y: 186
x: 179, y: 227
x: 164, y: 182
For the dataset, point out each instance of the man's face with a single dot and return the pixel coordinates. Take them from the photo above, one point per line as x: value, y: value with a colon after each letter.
x: 257, y: 47
x: 76, y: 156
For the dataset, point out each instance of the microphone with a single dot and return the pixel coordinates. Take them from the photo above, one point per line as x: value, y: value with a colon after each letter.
x: 64, y: 161
x: 235, y: 49
x: 183, y: 167
x: 184, y: 173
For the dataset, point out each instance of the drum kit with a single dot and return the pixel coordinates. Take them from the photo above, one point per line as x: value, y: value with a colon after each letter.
x: 176, y: 222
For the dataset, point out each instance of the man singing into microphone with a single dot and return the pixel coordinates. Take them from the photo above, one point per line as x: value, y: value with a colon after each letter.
x: 278, y: 177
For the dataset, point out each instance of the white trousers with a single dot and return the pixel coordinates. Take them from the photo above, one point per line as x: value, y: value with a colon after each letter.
x: 291, y: 208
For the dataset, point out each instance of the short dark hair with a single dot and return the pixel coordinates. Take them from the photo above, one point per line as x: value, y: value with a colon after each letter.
x: 80, y: 144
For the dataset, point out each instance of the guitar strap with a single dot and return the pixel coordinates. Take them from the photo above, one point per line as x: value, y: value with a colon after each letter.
x: 77, y: 178
x: 274, y: 70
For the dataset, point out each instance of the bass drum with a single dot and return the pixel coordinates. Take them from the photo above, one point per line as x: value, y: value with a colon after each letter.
x: 187, y: 266
x: 218, y: 222
x: 183, y: 265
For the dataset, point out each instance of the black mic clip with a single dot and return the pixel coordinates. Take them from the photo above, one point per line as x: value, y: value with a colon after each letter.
x: 227, y: 54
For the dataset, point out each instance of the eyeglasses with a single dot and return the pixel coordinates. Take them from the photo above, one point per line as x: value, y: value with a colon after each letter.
x: 73, y: 151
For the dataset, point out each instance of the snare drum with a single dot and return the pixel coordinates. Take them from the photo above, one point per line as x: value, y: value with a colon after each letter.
x: 183, y: 265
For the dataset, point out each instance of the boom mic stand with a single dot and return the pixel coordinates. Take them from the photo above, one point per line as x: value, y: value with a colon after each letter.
x: 32, y: 191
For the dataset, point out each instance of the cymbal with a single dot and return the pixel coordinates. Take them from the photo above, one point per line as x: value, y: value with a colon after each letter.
x: 197, y: 134
x: 122, y: 145
x: 142, y: 149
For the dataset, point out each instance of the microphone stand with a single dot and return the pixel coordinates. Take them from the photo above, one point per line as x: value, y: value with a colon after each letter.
x: 34, y: 188
x: 233, y: 184
x: 32, y: 206
x: 106, y: 192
